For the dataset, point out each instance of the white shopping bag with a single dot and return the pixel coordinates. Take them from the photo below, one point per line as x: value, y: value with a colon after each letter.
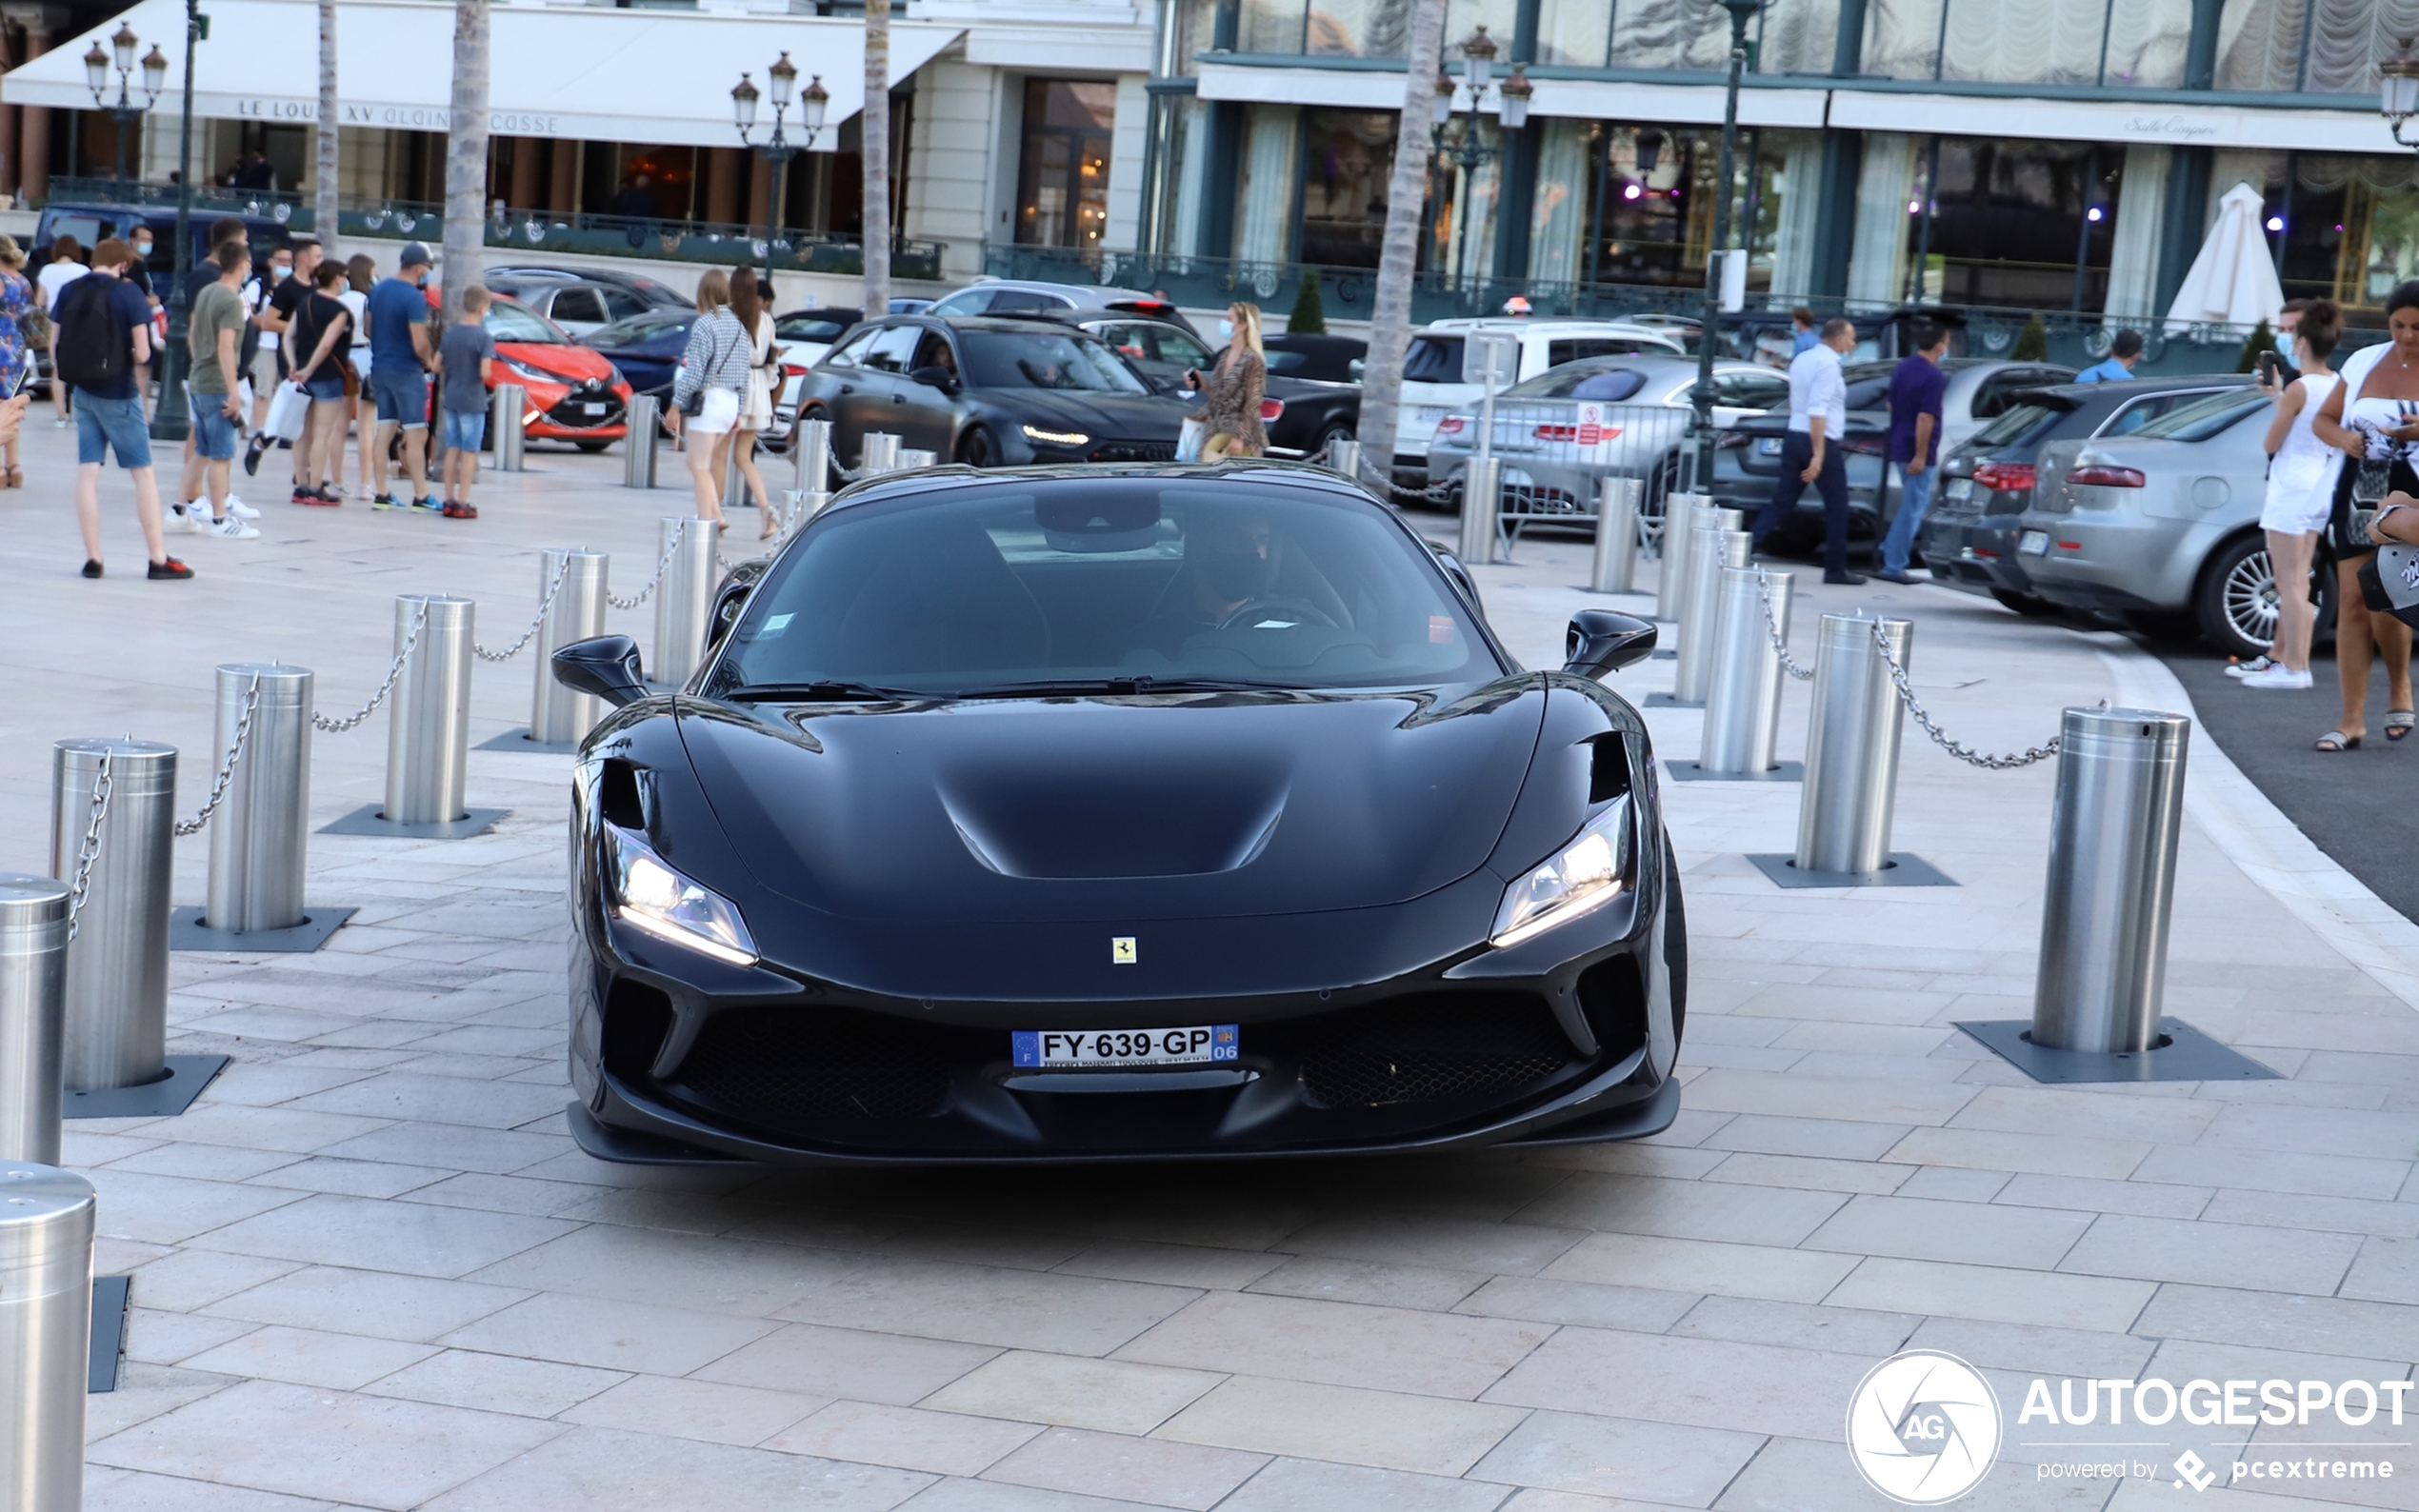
x: 1189, y: 441
x: 288, y: 408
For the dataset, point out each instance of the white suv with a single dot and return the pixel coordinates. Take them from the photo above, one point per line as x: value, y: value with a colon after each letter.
x: 1433, y: 386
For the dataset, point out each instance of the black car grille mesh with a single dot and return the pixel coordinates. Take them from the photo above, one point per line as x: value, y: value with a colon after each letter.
x: 1133, y: 451
x: 778, y: 1068
x: 1432, y: 1049
x: 572, y: 413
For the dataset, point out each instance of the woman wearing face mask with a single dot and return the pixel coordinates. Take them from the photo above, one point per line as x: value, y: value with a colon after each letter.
x: 2371, y: 416
x: 2300, y: 493
x: 1230, y: 413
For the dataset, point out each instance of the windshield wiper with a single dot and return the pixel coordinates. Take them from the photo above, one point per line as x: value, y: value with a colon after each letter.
x: 1123, y: 686
x: 815, y: 692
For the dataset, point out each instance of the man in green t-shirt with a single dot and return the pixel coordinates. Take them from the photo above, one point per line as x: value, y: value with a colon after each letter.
x: 213, y: 337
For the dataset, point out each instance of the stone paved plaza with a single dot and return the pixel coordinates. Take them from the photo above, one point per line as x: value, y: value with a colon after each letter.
x: 370, y: 1270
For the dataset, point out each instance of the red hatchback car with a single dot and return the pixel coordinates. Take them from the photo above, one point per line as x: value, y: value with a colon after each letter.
x: 575, y: 393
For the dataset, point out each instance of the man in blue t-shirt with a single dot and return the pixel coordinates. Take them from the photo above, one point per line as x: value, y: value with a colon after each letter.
x: 2123, y: 353
x: 397, y: 320
x: 1917, y: 388
x: 102, y: 307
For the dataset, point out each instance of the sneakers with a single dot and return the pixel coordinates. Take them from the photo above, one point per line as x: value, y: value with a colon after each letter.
x: 230, y: 528
x: 1902, y: 578
x: 185, y: 519
x: 456, y: 510
x: 240, y: 510
x: 315, y: 498
x: 430, y: 504
x: 2277, y: 675
x: 161, y: 572
x: 2257, y: 665
x: 253, y: 448
x: 387, y: 501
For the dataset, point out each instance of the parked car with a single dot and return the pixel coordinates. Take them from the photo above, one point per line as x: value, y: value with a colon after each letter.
x: 1304, y: 408
x: 654, y: 290
x: 88, y: 223
x: 1365, y: 884
x: 582, y: 306
x: 1560, y: 432
x: 647, y: 348
x: 1433, y: 386
x: 2161, y: 526
x: 1968, y: 536
x: 1746, y: 459
x: 1017, y: 296
x: 803, y: 336
x: 989, y: 392
x: 575, y: 393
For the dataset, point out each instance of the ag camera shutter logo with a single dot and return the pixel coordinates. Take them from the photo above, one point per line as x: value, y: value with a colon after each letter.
x: 1923, y: 1428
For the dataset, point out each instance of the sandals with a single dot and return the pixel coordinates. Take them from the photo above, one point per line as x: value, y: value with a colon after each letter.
x: 2336, y: 739
x: 14, y: 478
x: 2399, y: 722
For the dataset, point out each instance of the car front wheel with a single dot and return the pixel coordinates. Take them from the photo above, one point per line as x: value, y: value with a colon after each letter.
x: 977, y: 449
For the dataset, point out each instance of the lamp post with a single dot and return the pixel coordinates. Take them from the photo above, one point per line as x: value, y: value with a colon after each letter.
x: 1512, y: 112
x: 2398, y: 90
x: 778, y: 151
x: 172, y: 418
x: 97, y: 65
x: 1701, y: 397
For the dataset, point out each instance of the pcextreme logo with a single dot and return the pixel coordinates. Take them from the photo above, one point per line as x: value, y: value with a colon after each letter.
x: 1923, y: 1429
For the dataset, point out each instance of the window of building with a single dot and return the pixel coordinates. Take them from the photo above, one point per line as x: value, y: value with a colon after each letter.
x: 2008, y: 218
x: 1062, y: 174
x: 1655, y: 225
x: 2351, y: 224
x: 2139, y: 44
x: 1350, y: 161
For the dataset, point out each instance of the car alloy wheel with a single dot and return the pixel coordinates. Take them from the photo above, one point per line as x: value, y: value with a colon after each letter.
x: 977, y: 449
x: 2237, y: 606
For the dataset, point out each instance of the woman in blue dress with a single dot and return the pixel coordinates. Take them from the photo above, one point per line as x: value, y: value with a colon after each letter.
x: 17, y: 351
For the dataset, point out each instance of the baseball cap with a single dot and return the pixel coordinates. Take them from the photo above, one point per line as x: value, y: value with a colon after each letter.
x: 416, y: 254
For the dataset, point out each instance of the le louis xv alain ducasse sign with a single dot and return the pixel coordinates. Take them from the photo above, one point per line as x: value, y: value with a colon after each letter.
x: 396, y: 117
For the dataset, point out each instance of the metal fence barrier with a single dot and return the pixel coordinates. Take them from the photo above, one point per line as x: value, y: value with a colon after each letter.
x: 113, y: 834
x: 1851, y: 745
x: 429, y: 723
x: 33, y: 1005
x: 1671, y: 543
x: 575, y: 610
x: 1743, y: 698
x: 682, y: 599
x: 1482, y: 493
x: 1716, y: 544
x: 642, y: 428
x: 260, y: 839
x: 46, y: 1221
x: 2112, y: 838
x: 1616, y: 558
x: 1555, y: 452
x: 506, y: 438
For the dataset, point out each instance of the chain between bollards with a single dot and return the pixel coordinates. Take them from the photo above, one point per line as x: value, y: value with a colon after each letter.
x: 1773, y: 628
x: 1964, y: 753
x: 648, y: 591
x: 338, y: 726
x: 543, y: 605
x: 226, y: 766
x: 89, y: 850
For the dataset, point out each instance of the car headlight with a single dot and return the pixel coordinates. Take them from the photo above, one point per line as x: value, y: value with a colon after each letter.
x: 1056, y: 438
x: 523, y: 369
x: 648, y: 895
x: 1584, y: 875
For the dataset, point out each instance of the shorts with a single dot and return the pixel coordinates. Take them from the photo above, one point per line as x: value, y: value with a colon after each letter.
x: 464, y: 430
x: 326, y: 386
x: 2292, y: 513
x: 269, y: 368
x: 721, y: 413
x: 402, y: 396
x: 213, y: 433
x: 103, y: 426
x: 361, y: 360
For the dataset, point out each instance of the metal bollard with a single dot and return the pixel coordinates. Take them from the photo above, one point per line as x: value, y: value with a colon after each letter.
x: 810, y: 452
x: 1482, y: 505
x: 2112, y: 834
x: 1743, y: 696
x: 428, y: 714
x: 642, y: 425
x: 912, y: 458
x: 117, y: 965
x: 734, y: 482
x: 557, y: 715
x: 881, y: 453
x: 1671, y: 549
x: 1344, y: 457
x: 1851, y: 748
x: 33, y: 1007
x: 1715, y: 546
x: 505, y: 436
x: 682, y: 600
x: 1616, y: 562
x: 46, y: 1335
x: 260, y: 836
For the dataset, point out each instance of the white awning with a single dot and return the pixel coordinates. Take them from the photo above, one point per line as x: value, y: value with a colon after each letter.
x: 574, y: 71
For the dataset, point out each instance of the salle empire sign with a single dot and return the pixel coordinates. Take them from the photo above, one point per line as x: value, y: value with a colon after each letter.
x: 396, y: 117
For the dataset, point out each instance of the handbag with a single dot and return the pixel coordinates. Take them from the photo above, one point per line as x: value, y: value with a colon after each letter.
x: 1188, y: 440
x: 695, y: 403
x: 288, y: 408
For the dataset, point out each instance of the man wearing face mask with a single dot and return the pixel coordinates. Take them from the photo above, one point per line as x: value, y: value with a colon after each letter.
x: 267, y: 279
x: 1230, y: 559
x: 138, y: 274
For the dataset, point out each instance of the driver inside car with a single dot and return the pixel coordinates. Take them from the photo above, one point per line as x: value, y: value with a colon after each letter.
x: 1230, y: 559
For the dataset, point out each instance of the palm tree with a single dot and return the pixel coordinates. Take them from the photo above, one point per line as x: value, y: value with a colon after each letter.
x: 875, y: 126
x: 322, y: 200
x: 466, y: 166
x: 1405, y: 206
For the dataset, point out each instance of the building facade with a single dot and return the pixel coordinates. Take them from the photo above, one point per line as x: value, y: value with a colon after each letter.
x: 2051, y: 154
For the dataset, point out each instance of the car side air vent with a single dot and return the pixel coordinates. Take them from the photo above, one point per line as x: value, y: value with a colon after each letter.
x: 1609, y: 774
x: 617, y: 795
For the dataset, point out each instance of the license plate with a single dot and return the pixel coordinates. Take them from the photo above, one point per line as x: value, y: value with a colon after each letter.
x: 1961, y: 489
x: 1200, y: 1045
x: 2034, y: 542
x: 592, y: 410
x: 1770, y: 445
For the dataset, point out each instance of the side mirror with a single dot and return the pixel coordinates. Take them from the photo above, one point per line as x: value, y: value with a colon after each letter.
x: 607, y: 666
x: 1599, y: 642
x: 936, y: 377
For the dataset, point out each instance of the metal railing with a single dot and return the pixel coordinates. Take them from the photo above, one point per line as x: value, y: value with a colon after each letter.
x: 1555, y: 454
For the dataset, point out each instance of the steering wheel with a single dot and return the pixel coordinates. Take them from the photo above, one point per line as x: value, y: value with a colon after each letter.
x: 1300, y: 610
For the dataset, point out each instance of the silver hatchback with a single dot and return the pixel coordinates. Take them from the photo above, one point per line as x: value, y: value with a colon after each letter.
x: 2161, y: 526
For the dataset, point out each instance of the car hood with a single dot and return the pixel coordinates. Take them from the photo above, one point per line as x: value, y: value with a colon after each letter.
x: 1173, y: 807
x: 1139, y: 416
x: 572, y: 363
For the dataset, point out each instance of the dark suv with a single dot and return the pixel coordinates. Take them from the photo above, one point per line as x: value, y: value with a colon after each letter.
x: 1969, y: 537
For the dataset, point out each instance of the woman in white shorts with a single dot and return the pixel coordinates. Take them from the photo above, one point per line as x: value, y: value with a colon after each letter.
x: 2301, y: 492
x: 713, y: 371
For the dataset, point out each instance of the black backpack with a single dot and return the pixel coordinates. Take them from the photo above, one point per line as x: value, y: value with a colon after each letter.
x: 94, y: 352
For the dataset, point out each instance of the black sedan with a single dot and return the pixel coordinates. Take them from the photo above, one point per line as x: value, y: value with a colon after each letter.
x: 1313, y: 389
x: 989, y: 392
x: 1104, y: 812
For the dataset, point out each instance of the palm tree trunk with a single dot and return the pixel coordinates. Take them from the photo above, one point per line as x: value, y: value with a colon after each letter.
x: 875, y: 125
x: 466, y: 166
x: 322, y: 201
x: 1405, y: 208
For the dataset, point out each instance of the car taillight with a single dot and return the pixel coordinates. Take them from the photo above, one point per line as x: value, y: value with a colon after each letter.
x: 1732, y: 440
x: 1272, y: 409
x: 1557, y: 432
x: 1449, y: 426
x: 2104, y: 477
x: 1866, y: 445
x: 2004, y: 476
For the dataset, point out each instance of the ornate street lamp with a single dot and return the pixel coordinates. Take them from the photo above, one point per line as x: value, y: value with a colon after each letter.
x: 778, y: 149
x: 1512, y: 112
x: 97, y: 65
x: 2398, y: 91
x: 1709, y: 331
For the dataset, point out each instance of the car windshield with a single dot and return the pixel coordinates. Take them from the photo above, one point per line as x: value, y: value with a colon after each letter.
x: 510, y: 322
x: 639, y: 327
x: 1030, y: 588
x: 1434, y: 360
x: 2017, y: 426
x: 2203, y: 418
x: 1580, y: 380
x: 809, y: 328
x: 1000, y: 359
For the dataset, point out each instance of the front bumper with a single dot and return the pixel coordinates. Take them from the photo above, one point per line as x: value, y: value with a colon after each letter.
x: 1976, y: 552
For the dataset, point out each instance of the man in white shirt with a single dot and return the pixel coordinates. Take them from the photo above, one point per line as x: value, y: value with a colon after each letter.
x: 1811, y: 452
